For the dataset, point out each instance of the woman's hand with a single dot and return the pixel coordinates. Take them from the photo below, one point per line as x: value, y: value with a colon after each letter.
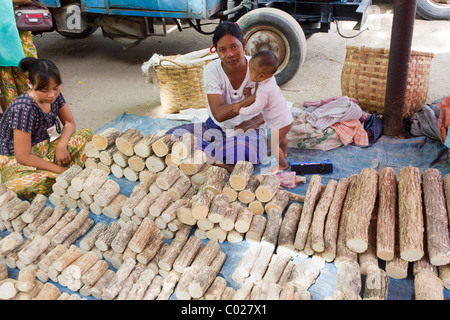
x: 62, y: 155
x: 253, y: 123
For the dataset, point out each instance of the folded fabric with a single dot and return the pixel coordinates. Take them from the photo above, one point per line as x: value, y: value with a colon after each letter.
x: 338, y: 110
x: 373, y: 125
x: 320, y: 103
x: 444, y: 117
x: 351, y: 131
x: 425, y: 122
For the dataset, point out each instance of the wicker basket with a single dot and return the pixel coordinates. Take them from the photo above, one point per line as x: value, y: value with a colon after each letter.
x: 364, y: 77
x: 181, y: 86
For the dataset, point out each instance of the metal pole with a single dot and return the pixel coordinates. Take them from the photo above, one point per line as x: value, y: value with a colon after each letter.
x: 397, y: 78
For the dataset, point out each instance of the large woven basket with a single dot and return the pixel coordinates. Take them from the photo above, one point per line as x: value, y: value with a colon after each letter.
x: 181, y: 86
x: 364, y: 77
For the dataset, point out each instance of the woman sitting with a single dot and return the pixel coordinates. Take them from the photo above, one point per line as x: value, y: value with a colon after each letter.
x: 226, y: 136
x: 29, y: 160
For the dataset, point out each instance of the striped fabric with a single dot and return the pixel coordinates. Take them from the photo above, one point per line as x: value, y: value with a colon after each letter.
x: 351, y: 131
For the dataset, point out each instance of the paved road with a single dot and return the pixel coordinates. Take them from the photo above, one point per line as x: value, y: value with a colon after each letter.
x: 101, y: 80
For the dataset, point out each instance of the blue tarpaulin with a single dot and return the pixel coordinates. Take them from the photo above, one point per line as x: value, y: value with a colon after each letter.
x: 421, y: 152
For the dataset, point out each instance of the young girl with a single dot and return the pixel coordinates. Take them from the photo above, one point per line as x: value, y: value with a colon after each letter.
x: 29, y: 161
x: 270, y: 102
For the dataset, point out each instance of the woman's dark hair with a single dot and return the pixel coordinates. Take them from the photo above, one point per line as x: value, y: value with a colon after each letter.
x: 227, y: 27
x: 40, y: 71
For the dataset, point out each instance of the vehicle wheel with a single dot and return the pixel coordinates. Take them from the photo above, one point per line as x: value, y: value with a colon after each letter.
x: 74, y: 35
x: 433, y: 9
x: 275, y: 30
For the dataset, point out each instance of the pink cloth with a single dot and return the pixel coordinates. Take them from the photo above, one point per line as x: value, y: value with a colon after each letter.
x: 272, y: 105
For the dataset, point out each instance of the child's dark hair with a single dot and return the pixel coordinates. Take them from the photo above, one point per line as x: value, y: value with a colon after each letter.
x: 268, y: 59
x: 40, y: 71
x: 227, y: 27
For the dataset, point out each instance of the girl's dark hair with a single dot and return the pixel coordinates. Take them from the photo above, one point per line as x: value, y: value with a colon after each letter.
x: 40, y: 71
x: 227, y: 27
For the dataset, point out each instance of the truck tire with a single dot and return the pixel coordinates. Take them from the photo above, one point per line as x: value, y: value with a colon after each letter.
x: 433, y: 10
x: 275, y: 30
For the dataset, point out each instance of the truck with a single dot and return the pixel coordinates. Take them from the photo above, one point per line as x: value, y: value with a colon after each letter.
x: 281, y: 26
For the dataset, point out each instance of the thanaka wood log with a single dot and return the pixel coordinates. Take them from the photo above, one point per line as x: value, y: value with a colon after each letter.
x: 97, y: 289
x: 169, y: 284
x: 87, y: 198
x: 194, y: 164
x: 34, y: 209
x: 10, y: 242
x: 155, y: 163
x: 215, y: 179
x: 155, y: 189
x: 106, y: 156
x: 348, y: 283
x: 168, y: 177
x: 174, y: 249
x: 163, y: 145
x: 312, y: 197
x: 77, y: 182
x: 206, y: 255
x: 174, y: 225
x: 428, y: 286
x: 376, y: 285
x: 58, y: 190
x: 288, y: 228
x: 70, y: 227
x: 217, y: 233
x: 184, y: 214
x: 234, y: 236
x: 361, y: 210
x: 90, y: 150
x: 342, y: 251
x: 257, y: 207
x: 199, y: 178
x: 170, y: 213
x: 218, y: 207
x: 95, y: 180
x: 285, y: 276
x: 80, y: 232
x: 128, y: 284
x: 256, y: 230
x: 444, y: 275
x: 105, y: 239
x: 185, y: 146
x: 241, y: 174
x: 142, y: 235
x: 45, y: 263
x: 105, y: 138
x: 146, y: 179
x: 332, y: 220
x: 130, y: 174
x: 13, y: 208
x: 33, y: 249
x: 114, y: 208
x: 3, y: 271
x: 126, y: 141
x: 88, y: 242
x: 267, y: 188
x: 153, y: 246
x: 369, y: 257
x: 112, y: 289
x: 65, y: 178
x: 244, y: 290
x: 272, y: 231
x: 228, y: 293
x: 6, y: 197
x: 140, y: 287
x: 229, y: 218
x: 106, y: 193
x: 229, y: 191
x: 201, y: 203
x: 154, y: 288
x: 120, y: 160
x: 262, y: 261
x: 48, y: 292
x: 244, y: 267
x: 91, y: 276
x: 179, y: 187
x: 67, y: 258
x: 26, y: 279
x: 216, y: 289
x: 80, y: 266
x: 278, y: 202
x: 187, y: 254
x: 143, y: 148
x: 123, y: 236
x: 205, y: 277
x: 411, y: 221
x: 317, y: 228
x: 424, y: 265
x: 387, y: 213
x: 160, y: 204
x: 276, y: 267
x: 243, y: 220
x: 133, y: 200
x: 437, y: 235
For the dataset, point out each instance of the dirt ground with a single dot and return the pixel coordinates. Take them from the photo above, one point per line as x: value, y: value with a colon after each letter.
x: 101, y: 80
